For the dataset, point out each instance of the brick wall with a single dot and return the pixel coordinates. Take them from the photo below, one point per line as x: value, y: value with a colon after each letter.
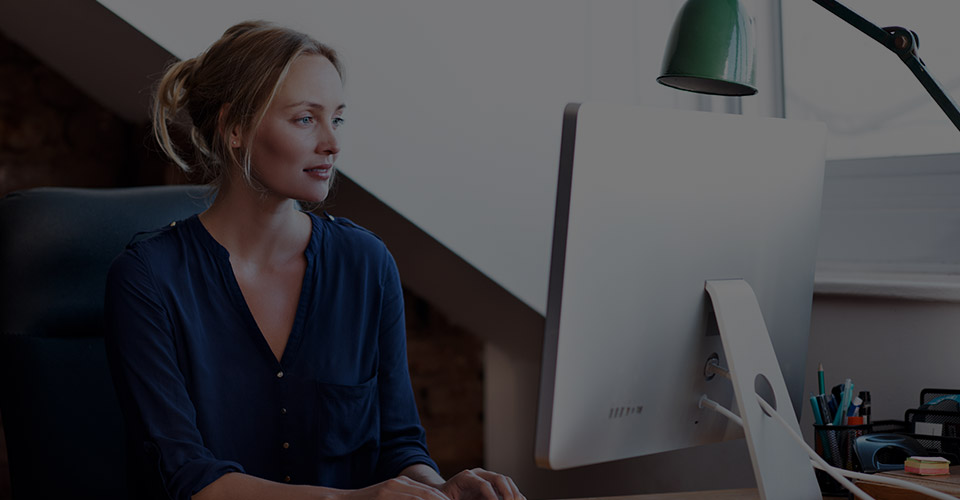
x: 446, y: 369
x: 51, y: 134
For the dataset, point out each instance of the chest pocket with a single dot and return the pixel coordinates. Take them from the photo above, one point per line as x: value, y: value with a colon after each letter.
x: 349, y: 418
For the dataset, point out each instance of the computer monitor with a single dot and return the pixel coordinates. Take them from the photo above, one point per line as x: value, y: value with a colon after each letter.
x: 651, y: 205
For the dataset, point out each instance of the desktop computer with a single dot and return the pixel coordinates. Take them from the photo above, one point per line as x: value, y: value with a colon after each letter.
x: 681, y: 239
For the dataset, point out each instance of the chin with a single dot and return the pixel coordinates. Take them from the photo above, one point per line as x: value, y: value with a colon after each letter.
x: 313, y: 196
x: 315, y: 193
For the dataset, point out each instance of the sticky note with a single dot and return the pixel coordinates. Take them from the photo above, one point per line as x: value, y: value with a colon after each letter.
x: 927, y: 466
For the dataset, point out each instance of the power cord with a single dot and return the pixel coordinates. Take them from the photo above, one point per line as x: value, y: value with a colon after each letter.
x: 814, y: 457
x: 818, y: 461
x: 893, y: 482
x: 705, y: 401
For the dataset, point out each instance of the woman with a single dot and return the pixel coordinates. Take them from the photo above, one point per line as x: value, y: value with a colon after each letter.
x: 259, y: 351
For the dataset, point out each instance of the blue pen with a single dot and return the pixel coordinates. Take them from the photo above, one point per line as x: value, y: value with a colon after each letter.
x: 826, y: 416
x: 841, y: 415
x: 854, y: 410
x: 832, y: 406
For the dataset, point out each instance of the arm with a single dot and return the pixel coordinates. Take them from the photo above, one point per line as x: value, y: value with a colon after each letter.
x: 424, y: 474
x: 159, y: 415
x: 403, y: 437
x: 235, y: 486
x: 242, y: 487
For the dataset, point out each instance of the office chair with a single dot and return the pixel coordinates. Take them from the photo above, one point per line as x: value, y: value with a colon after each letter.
x: 60, y: 414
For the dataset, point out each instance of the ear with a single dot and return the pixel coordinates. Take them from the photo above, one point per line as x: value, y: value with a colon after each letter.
x: 234, y: 138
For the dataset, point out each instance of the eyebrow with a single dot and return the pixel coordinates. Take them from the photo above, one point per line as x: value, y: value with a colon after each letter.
x: 313, y: 105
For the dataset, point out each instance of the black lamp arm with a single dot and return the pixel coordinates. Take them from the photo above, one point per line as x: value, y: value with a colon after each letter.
x: 904, y: 43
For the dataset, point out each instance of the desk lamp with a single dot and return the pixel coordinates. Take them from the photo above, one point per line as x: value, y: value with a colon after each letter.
x: 711, y: 51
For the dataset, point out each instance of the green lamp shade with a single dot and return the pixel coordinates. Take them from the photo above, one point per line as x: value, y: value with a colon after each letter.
x: 711, y: 50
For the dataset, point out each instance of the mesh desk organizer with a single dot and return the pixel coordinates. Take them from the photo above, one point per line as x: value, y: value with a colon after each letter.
x: 932, y: 429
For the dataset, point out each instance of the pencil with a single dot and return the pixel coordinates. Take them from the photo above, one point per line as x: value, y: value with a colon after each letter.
x: 823, y: 388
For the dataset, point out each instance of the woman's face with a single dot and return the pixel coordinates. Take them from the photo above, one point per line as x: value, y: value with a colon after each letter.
x: 295, y: 146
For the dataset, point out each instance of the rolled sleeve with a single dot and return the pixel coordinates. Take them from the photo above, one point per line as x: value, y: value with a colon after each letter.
x: 152, y: 391
x: 403, y: 439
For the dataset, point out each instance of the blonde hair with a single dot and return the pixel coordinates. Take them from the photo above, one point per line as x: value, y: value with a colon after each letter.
x: 229, y: 86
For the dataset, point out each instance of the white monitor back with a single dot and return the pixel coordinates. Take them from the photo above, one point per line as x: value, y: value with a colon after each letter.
x: 652, y: 203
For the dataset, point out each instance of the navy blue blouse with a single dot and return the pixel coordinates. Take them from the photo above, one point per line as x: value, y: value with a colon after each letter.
x: 203, y: 394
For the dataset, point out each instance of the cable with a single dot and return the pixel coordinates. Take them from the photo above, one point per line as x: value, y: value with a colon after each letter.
x: 818, y: 462
x: 894, y: 482
x: 705, y: 401
x: 833, y: 471
x: 829, y: 469
x: 717, y: 407
x: 713, y: 405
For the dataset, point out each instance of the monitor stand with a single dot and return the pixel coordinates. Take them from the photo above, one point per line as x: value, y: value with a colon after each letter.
x: 781, y: 467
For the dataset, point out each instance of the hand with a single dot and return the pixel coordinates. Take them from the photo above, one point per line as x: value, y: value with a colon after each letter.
x: 398, y: 488
x: 479, y: 484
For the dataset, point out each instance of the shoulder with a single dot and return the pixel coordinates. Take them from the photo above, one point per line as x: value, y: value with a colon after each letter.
x: 351, y: 246
x: 346, y: 233
x: 153, y: 252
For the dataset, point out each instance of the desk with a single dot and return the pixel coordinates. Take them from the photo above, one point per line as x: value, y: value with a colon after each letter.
x: 744, y: 494
x: 949, y: 484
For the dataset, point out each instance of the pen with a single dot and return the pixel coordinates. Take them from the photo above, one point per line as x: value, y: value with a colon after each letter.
x: 849, y: 400
x: 817, y: 416
x: 854, y: 407
x: 823, y: 388
x: 826, y: 416
x: 846, y: 396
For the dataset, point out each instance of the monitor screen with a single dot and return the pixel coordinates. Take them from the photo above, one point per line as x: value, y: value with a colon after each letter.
x: 652, y: 203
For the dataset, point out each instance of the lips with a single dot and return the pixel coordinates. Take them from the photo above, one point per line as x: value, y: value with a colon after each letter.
x: 321, y: 172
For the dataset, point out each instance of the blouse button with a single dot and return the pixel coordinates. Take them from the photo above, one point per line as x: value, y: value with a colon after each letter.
x: 286, y: 445
x: 283, y: 411
x: 286, y: 479
x: 280, y: 374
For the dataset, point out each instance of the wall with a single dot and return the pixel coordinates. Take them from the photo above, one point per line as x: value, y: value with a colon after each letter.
x: 889, y: 346
x: 446, y: 370
x: 887, y: 300
x: 53, y: 134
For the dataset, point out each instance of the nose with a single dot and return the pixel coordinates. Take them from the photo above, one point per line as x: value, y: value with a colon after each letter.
x: 327, y: 143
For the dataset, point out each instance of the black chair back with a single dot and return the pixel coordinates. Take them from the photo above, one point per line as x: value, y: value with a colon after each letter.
x: 60, y: 414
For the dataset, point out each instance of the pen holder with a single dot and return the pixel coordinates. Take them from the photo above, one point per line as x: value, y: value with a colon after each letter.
x: 836, y: 443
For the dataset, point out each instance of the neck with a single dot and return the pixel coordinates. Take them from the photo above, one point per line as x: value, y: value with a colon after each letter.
x: 256, y: 227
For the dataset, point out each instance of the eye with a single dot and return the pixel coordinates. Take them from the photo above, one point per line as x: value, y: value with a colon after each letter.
x: 337, y: 121
x: 304, y: 120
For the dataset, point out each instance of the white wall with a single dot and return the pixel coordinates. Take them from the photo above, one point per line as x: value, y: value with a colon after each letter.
x: 887, y: 300
x: 891, y: 347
